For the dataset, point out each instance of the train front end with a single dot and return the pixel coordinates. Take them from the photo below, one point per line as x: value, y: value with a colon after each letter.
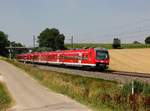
x: 102, y: 58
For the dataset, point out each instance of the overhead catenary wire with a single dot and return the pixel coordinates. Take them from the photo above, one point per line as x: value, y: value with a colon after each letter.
x: 128, y: 33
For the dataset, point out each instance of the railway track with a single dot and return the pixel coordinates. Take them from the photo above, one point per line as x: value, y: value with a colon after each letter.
x: 121, y: 77
x: 132, y: 74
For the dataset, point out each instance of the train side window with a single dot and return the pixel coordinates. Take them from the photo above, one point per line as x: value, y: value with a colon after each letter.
x: 85, y: 57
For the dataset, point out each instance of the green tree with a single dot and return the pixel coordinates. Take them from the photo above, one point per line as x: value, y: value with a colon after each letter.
x: 15, y: 44
x: 16, y: 50
x: 147, y: 40
x: 136, y: 42
x: 41, y: 49
x: 116, y: 43
x: 3, y: 44
x: 51, y: 38
x: 59, y: 42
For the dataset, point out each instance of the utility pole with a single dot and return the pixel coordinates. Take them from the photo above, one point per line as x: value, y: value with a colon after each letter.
x: 72, y: 42
x: 10, y: 50
x: 33, y: 48
x: 33, y: 41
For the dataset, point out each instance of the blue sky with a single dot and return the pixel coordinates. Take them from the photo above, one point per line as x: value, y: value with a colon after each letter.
x: 87, y: 20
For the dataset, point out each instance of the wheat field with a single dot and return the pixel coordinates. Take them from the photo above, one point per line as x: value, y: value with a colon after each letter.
x: 132, y: 60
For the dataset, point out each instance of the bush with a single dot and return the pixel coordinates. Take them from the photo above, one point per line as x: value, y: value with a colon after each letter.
x: 138, y: 88
x: 116, y: 43
x: 147, y: 40
x: 146, y: 90
x: 136, y: 42
x: 5, y: 99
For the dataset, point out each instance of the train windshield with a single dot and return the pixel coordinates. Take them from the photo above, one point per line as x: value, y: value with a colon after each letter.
x: 102, y: 55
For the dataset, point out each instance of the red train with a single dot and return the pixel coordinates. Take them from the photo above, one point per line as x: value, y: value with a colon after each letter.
x: 92, y: 57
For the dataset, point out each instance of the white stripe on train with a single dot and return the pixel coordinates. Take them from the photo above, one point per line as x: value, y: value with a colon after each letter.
x: 65, y: 63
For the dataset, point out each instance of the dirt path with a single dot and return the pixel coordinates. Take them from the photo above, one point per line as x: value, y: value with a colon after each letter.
x: 31, y: 96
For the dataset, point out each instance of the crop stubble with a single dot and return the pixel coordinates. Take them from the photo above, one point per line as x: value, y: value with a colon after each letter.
x: 132, y: 60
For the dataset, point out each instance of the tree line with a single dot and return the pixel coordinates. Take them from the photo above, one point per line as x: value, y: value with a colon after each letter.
x: 117, y: 42
x: 4, y: 43
x: 51, y: 39
x: 48, y: 40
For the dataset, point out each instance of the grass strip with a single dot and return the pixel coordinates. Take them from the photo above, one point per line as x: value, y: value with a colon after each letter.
x: 5, y: 99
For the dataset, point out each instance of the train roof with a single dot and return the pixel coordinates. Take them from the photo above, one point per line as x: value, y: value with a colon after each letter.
x: 60, y: 51
x: 104, y: 49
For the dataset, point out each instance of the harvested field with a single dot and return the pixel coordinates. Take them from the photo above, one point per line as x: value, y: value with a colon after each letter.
x: 132, y: 60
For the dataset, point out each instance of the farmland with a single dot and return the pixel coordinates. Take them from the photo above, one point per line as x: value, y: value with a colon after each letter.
x: 108, y: 46
x: 132, y: 60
